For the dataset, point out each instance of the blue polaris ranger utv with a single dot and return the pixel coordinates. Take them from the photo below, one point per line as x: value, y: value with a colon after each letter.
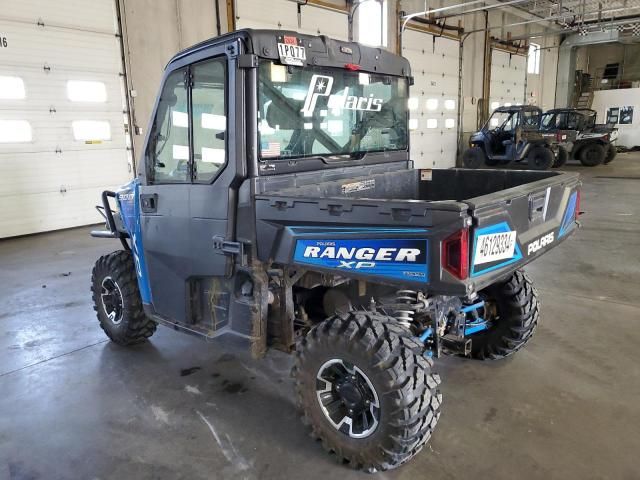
x: 276, y: 201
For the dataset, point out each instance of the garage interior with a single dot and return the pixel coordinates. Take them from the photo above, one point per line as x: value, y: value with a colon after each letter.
x: 78, y: 85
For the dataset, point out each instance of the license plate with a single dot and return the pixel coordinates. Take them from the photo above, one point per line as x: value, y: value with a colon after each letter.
x: 494, y: 246
x: 291, y: 54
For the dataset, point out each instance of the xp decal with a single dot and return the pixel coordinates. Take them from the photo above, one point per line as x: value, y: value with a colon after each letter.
x: 321, y: 85
x: 494, y: 247
x: 404, y: 259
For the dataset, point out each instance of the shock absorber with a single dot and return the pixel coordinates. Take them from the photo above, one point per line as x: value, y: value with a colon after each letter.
x: 403, y: 314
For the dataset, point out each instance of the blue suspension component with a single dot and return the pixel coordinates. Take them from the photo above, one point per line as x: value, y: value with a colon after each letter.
x: 478, y: 323
x: 424, y: 336
x: 471, y: 308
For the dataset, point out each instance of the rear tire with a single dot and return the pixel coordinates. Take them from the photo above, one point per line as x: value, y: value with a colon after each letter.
x: 611, y: 153
x: 356, y: 357
x: 592, y: 155
x: 540, y: 158
x: 561, y: 158
x: 517, y: 311
x: 474, y: 157
x: 116, y: 299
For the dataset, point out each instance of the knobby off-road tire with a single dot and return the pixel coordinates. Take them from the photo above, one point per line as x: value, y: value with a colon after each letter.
x: 540, y: 158
x: 611, y: 153
x: 517, y: 311
x: 116, y: 299
x: 592, y: 155
x: 561, y: 158
x: 474, y: 157
x: 387, y: 361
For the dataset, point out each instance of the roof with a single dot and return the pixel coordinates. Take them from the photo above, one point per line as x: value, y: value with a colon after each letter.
x: 518, y: 108
x: 584, y: 111
x: 320, y: 51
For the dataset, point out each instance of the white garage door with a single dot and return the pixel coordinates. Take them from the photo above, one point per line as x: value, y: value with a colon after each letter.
x: 508, y: 77
x: 62, y: 138
x: 433, y: 105
x: 283, y: 15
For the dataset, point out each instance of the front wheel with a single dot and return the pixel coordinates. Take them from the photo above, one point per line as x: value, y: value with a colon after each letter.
x: 561, y: 158
x: 540, y: 158
x: 592, y: 155
x: 512, y: 311
x: 474, y: 157
x: 366, y: 390
x: 611, y: 153
x: 116, y: 299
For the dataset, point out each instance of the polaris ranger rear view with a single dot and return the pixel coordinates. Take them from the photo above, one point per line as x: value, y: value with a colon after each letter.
x: 275, y: 201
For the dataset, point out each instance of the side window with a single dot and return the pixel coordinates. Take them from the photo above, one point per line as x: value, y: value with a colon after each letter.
x: 572, y: 123
x: 209, y: 118
x: 167, y: 152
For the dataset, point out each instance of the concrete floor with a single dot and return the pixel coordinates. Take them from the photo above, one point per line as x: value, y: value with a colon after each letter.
x: 73, y: 405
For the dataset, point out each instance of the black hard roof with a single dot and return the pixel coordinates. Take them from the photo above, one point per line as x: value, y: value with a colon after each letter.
x: 584, y: 111
x: 518, y: 108
x: 320, y: 51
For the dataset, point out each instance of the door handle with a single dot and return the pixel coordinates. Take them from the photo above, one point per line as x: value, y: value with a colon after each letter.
x: 149, y: 202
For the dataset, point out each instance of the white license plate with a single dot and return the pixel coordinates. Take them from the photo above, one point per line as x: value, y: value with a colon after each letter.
x: 494, y: 246
x: 291, y: 54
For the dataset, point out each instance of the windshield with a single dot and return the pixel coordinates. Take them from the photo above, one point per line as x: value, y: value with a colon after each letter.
x: 322, y: 111
x: 503, y: 121
x: 549, y: 121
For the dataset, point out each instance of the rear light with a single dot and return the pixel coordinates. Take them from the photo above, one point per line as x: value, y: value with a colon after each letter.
x: 455, y: 254
x: 352, y: 66
x: 577, y: 204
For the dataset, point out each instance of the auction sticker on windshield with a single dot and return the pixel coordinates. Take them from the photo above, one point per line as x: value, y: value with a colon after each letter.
x: 291, y: 54
x: 494, y: 246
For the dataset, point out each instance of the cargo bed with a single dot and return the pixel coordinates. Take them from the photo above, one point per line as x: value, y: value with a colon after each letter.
x: 408, y: 204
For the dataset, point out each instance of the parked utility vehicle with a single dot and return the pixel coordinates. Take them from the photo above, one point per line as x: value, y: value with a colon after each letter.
x: 512, y: 134
x: 275, y: 201
x: 588, y: 142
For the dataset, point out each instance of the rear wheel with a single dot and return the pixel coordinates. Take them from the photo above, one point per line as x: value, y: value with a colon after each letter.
x: 611, y: 153
x: 474, y: 157
x: 369, y: 395
x: 116, y: 299
x: 540, y: 158
x: 592, y: 155
x: 561, y: 157
x: 512, y: 310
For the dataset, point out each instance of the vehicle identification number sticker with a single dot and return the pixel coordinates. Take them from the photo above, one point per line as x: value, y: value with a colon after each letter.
x: 494, y: 246
x: 292, y: 54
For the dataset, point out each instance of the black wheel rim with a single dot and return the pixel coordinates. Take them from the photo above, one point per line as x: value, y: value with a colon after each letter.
x: 539, y: 160
x: 347, y: 398
x: 592, y: 155
x: 111, y: 297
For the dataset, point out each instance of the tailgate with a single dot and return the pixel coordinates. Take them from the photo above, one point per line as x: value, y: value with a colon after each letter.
x: 517, y: 225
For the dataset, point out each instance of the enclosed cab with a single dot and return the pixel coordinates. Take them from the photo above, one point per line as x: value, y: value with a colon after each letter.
x: 276, y: 202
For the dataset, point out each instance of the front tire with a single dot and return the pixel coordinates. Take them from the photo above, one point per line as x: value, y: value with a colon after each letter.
x: 592, y: 155
x: 540, y: 158
x: 116, y: 299
x: 358, y: 357
x: 474, y: 157
x: 611, y: 153
x: 514, y: 309
x: 561, y: 158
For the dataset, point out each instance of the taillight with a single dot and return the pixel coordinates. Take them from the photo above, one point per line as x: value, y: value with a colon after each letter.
x: 455, y: 254
x: 577, y: 204
x: 352, y: 66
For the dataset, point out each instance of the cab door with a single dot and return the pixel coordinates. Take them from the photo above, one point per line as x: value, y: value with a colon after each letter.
x: 184, y: 198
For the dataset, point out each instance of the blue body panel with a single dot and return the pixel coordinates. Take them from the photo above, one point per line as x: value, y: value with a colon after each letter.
x: 395, y: 258
x: 128, y: 199
x: 568, y: 221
